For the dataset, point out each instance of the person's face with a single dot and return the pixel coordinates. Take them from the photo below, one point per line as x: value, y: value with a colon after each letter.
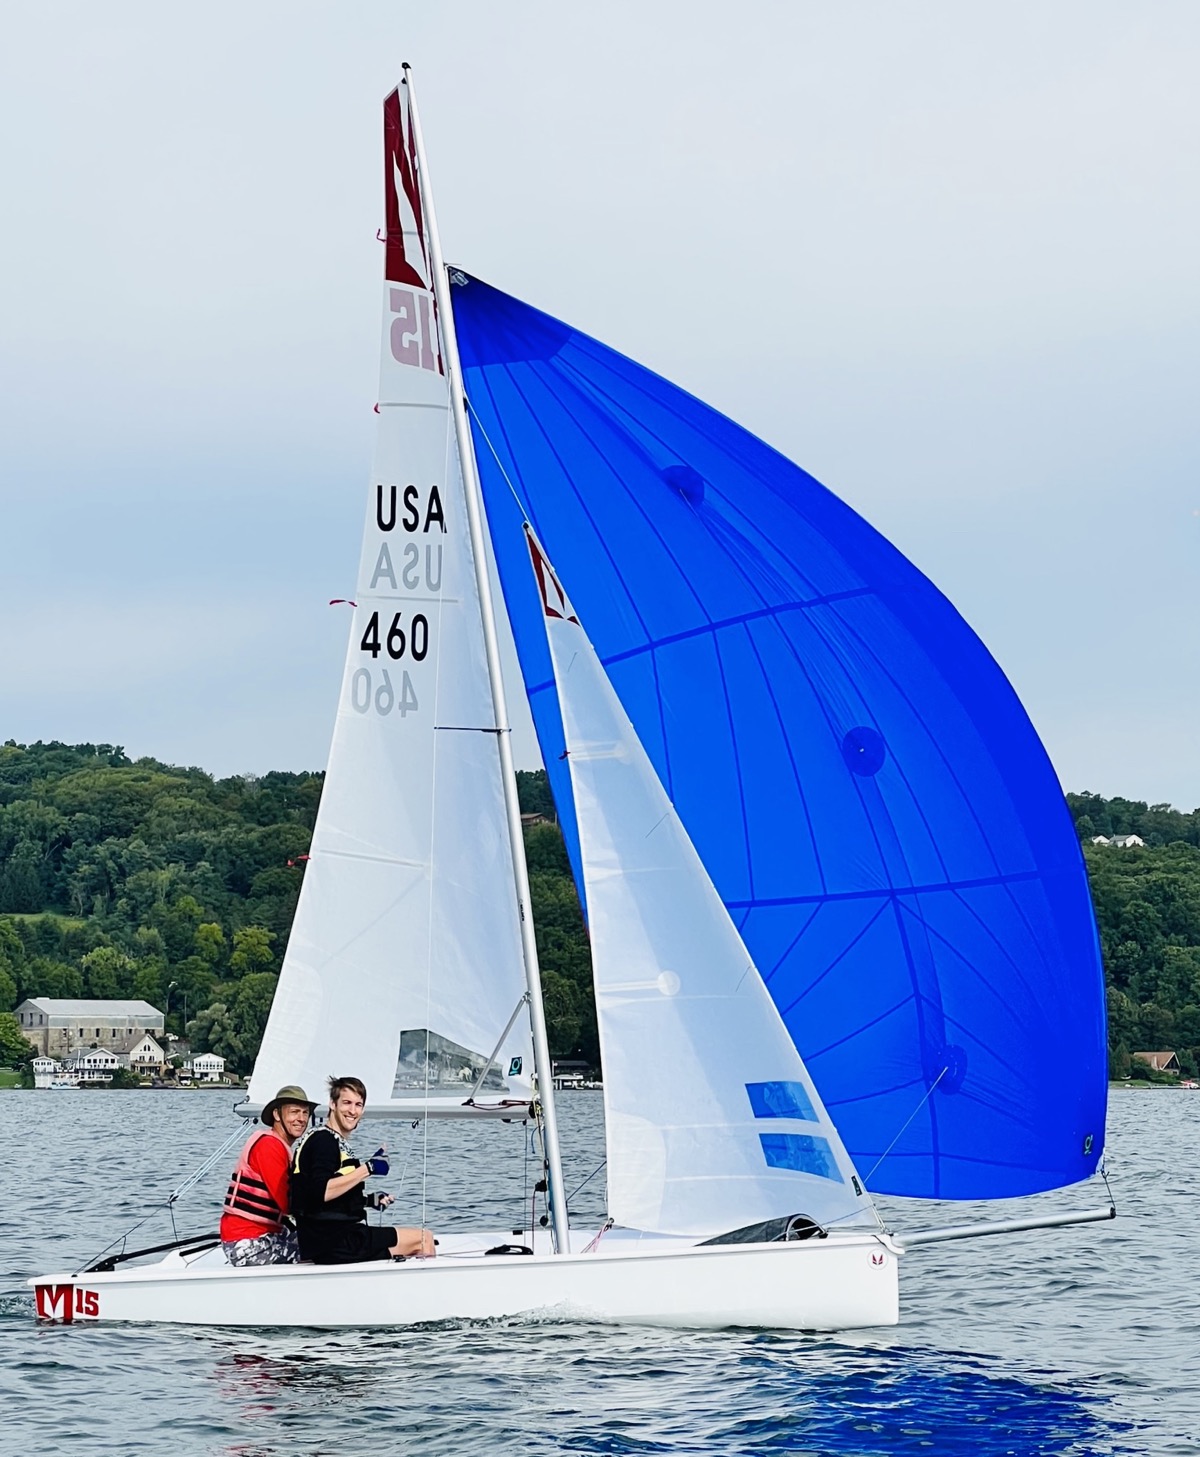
x: 347, y: 1110
x: 292, y: 1120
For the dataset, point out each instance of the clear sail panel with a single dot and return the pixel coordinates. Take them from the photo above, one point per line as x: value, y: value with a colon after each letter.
x: 430, y: 1062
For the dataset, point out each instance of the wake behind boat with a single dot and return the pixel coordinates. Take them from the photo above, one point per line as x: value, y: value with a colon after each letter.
x: 726, y: 597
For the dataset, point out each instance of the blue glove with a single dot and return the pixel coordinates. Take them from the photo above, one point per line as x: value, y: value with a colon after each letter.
x: 377, y: 1164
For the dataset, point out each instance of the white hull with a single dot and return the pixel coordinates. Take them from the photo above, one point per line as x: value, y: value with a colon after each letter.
x: 839, y: 1283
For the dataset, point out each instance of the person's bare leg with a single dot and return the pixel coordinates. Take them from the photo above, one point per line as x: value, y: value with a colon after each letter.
x: 413, y: 1242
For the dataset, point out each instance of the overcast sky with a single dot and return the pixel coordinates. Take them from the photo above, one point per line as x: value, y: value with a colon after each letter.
x: 944, y: 256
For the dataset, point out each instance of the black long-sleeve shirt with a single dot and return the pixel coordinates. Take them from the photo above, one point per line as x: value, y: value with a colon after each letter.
x: 321, y: 1157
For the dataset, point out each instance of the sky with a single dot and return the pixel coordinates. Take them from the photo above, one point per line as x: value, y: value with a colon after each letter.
x: 943, y: 256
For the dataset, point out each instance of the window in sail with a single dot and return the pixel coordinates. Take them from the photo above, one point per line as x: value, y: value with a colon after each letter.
x: 781, y: 1100
x: 801, y: 1152
x: 429, y: 1062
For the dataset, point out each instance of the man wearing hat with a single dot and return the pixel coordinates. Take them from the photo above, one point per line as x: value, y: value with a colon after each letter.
x: 253, y: 1228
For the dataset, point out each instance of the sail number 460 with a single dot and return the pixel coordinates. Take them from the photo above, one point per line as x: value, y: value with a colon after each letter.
x: 367, y: 692
x: 415, y: 641
x: 364, y: 694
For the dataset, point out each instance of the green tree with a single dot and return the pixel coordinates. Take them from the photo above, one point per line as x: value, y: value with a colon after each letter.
x: 249, y: 1011
x: 148, y: 983
x: 12, y: 948
x: 545, y: 850
x: 213, y: 1030
x: 109, y: 973
x: 15, y: 1052
x: 8, y: 989
x: 43, y: 976
x: 21, y: 886
x: 533, y: 793
x: 1156, y: 1028
x: 251, y: 950
x: 564, y: 1018
x: 209, y: 944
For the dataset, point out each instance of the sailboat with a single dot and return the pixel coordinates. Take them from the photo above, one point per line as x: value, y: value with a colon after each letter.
x: 836, y: 906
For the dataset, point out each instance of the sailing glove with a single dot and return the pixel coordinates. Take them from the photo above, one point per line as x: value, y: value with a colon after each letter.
x: 377, y: 1164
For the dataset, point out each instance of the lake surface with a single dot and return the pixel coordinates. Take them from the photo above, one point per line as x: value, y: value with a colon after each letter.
x: 1074, y: 1341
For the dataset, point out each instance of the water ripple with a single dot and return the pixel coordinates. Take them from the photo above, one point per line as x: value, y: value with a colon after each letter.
x: 1066, y: 1343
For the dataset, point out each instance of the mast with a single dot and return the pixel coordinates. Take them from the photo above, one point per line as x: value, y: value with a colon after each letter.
x: 476, y: 524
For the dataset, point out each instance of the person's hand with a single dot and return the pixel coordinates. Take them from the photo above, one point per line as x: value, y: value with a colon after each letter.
x: 377, y: 1164
x: 383, y: 1200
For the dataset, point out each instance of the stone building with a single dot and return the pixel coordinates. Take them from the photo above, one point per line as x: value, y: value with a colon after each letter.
x: 60, y: 1026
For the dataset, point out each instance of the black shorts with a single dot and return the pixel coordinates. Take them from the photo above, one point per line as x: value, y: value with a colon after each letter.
x: 345, y: 1244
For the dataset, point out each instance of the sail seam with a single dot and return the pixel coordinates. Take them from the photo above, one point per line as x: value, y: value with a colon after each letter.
x: 844, y: 952
x: 887, y: 892
x: 798, y: 605
x: 375, y: 859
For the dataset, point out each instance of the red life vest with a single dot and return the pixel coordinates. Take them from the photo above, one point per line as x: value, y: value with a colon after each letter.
x: 248, y: 1196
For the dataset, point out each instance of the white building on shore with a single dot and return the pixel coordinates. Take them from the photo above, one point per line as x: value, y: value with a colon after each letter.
x: 207, y: 1068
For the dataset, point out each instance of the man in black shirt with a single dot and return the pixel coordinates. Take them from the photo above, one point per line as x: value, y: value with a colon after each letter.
x: 329, y: 1202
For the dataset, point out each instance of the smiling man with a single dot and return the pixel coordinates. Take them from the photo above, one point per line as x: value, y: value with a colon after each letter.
x: 253, y: 1227
x: 328, y: 1198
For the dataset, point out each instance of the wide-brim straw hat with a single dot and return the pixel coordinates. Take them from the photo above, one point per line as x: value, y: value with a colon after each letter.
x: 290, y: 1094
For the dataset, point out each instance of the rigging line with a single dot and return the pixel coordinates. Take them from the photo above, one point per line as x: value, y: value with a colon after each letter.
x: 1103, y: 1172
x: 587, y: 1181
x: 496, y: 457
x: 193, y: 1179
x: 928, y: 1094
x: 169, y: 1202
x: 412, y: 1139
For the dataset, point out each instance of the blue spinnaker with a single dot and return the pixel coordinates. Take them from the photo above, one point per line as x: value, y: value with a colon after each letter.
x: 858, y: 775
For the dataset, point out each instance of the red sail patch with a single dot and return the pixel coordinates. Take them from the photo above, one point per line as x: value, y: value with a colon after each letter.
x: 554, y: 599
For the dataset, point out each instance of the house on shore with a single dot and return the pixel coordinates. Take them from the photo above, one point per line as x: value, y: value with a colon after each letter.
x: 145, y: 1056
x: 93, y: 1065
x: 207, y: 1068
x: 45, y: 1071
x: 1161, y: 1062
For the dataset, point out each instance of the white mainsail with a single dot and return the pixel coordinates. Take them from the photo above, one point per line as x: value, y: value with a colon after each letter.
x: 713, y: 1123
x: 404, y: 964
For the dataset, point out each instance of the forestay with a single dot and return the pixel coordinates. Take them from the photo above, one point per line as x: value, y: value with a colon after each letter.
x: 404, y: 963
x: 712, y: 1122
x: 859, y: 779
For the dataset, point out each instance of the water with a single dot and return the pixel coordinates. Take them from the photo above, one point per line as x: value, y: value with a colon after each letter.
x: 1077, y: 1341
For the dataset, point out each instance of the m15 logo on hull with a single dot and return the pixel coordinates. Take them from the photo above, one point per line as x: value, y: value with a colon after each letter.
x: 65, y: 1302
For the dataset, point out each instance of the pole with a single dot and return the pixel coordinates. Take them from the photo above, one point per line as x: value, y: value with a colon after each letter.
x: 477, y: 524
x: 999, y: 1226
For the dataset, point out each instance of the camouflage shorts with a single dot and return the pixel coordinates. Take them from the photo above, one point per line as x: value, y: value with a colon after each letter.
x: 279, y: 1248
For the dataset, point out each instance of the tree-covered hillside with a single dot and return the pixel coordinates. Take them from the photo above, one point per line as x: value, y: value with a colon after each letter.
x: 124, y: 879
x: 1148, y: 910
x: 139, y: 879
